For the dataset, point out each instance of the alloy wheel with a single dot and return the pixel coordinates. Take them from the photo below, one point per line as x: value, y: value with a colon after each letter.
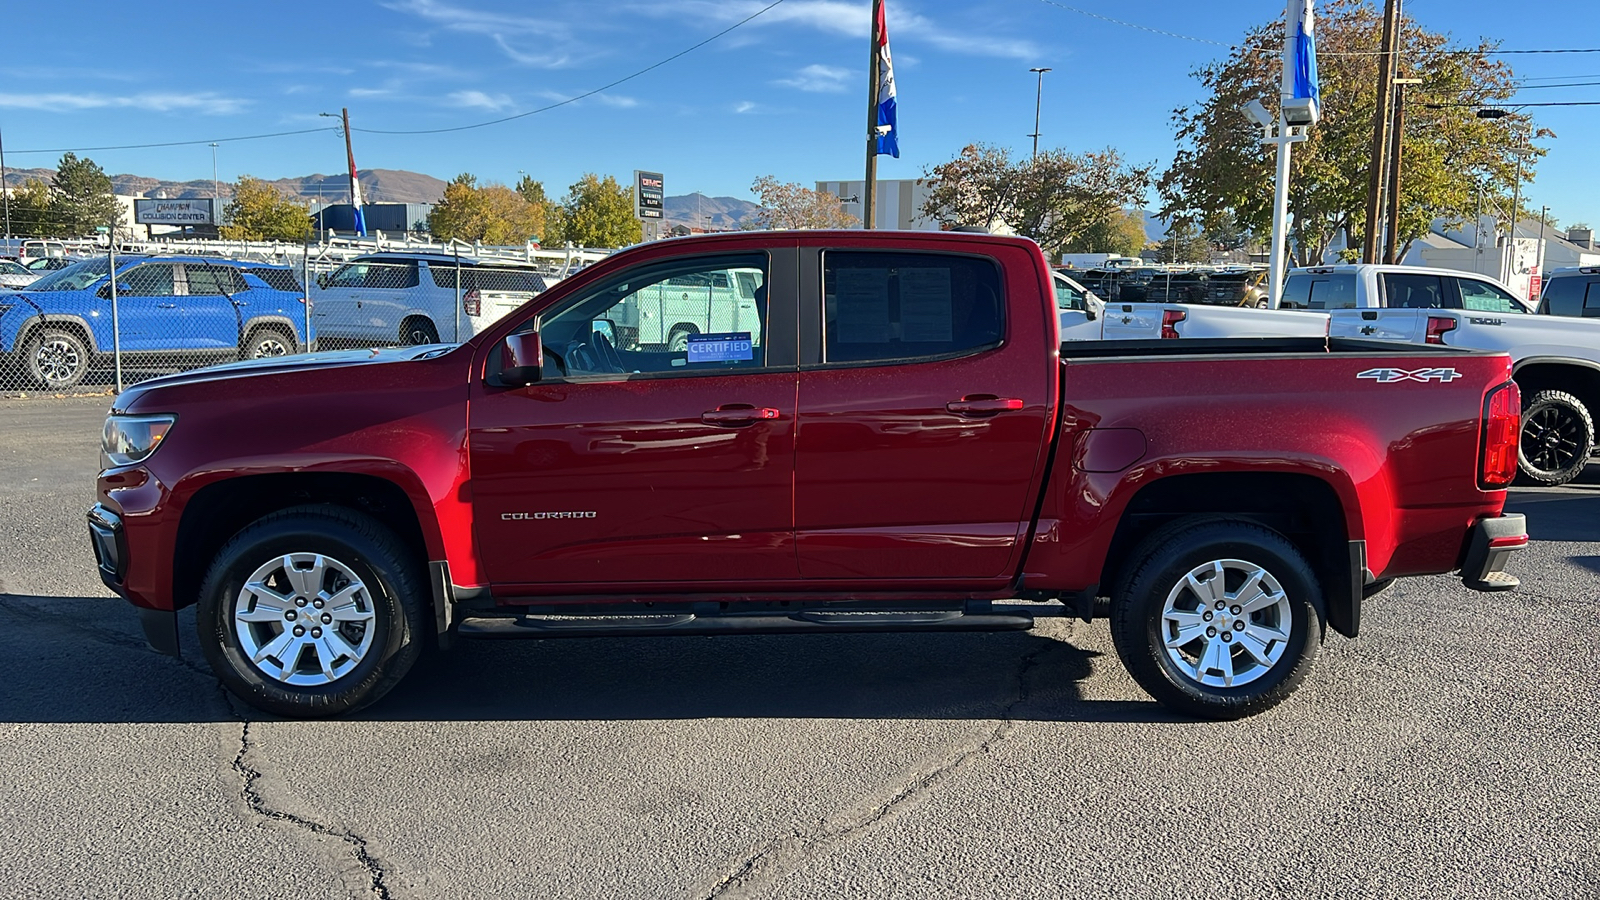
x: 304, y: 619
x: 1226, y: 623
x: 1551, y: 438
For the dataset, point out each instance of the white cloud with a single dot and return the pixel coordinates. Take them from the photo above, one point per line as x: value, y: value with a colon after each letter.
x: 370, y: 92
x: 850, y: 20
x: 617, y: 100
x: 744, y: 106
x: 207, y: 102
x: 480, y: 100
x: 500, y: 28
x: 818, y: 79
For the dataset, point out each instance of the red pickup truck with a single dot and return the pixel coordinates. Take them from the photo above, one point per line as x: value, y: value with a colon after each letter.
x: 886, y: 437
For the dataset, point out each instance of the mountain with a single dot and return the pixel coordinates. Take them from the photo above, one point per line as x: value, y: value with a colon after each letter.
x: 699, y: 211
x: 377, y: 186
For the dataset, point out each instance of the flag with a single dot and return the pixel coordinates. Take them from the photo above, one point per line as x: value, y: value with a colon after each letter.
x: 355, y: 197
x: 1305, y: 57
x: 888, y: 129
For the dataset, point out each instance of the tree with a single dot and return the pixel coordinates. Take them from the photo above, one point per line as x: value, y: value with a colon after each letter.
x: 491, y: 213
x: 261, y: 212
x: 549, y: 211
x: 81, y: 198
x: 789, y: 205
x: 30, y: 210
x: 1121, y: 233
x: 1221, y: 164
x: 1222, y: 231
x: 1184, y: 243
x: 1055, y: 197
x: 599, y: 213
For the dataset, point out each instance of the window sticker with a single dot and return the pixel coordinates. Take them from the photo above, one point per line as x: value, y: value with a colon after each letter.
x: 733, y: 346
x: 925, y: 305
x: 863, y: 298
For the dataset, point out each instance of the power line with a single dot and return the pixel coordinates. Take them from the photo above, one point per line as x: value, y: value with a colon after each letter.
x: 1514, y: 105
x: 1135, y: 25
x: 226, y: 140
x: 1535, y: 87
x: 531, y: 112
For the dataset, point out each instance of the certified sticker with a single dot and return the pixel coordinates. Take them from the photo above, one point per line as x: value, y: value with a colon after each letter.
x: 731, y: 347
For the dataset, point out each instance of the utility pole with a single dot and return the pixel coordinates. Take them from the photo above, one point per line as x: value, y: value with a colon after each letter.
x: 1373, y: 239
x: 350, y: 153
x: 1037, y: 97
x: 869, y: 192
x: 1397, y: 134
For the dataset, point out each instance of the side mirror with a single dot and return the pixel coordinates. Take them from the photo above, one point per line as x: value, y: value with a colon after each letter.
x: 105, y: 291
x: 1091, y: 314
x: 322, y: 280
x: 521, y: 358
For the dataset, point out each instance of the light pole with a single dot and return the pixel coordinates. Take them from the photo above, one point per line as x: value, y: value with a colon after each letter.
x: 215, y: 190
x: 1523, y: 149
x: 5, y: 194
x: 1038, y: 95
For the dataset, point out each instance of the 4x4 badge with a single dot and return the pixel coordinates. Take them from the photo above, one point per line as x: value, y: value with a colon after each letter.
x: 1390, y: 376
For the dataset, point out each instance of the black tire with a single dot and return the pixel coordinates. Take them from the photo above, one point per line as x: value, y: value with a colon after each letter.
x: 394, y: 593
x: 268, y: 342
x: 1557, y: 435
x: 678, y: 340
x: 418, y: 331
x: 58, y: 358
x: 1161, y: 566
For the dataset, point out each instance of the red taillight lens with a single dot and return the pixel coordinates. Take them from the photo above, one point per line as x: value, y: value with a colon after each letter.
x: 1502, y: 425
x: 1438, y: 327
x: 1169, y: 322
x: 472, y: 303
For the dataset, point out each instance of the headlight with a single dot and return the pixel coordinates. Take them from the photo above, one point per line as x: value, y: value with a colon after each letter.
x: 131, y: 439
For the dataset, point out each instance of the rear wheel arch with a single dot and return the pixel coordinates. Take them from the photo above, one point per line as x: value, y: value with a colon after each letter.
x: 1577, y: 377
x: 1307, y: 510
x: 214, y: 513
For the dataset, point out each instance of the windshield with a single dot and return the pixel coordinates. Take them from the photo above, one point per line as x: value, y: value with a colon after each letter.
x: 75, y: 277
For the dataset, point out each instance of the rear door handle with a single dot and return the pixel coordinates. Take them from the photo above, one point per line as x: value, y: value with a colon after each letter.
x: 983, y: 406
x: 738, y: 414
x: 166, y: 306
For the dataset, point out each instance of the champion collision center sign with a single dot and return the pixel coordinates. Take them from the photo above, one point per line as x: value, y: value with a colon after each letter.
x: 194, y: 211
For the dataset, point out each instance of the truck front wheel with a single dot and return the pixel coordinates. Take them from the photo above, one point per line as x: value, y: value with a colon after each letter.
x: 312, y: 611
x: 1219, y: 618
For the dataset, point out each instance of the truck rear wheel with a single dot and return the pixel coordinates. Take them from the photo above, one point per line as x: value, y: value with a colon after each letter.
x: 312, y: 611
x: 1220, y: 618
x: 1557, y: 434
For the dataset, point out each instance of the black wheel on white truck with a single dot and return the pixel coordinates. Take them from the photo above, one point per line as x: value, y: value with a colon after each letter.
x: 1557, y: 432
x: 1218, y: 618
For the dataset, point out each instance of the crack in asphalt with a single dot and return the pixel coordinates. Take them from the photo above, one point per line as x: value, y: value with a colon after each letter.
x: 783, y: 855
x: 258, y: 804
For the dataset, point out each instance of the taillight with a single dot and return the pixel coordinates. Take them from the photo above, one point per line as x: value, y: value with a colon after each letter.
x: 1169, y: 322
x: 472, y: 303
x: 1438, y: 327
x: 1502, y: 425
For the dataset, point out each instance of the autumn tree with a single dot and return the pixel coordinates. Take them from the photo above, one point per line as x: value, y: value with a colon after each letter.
x: 81, y: 198
x: 30, y: 210
x: 1055, y: 197
x: 1221, y: 164
x: 791, y: 205
x: 598, y: 212
x: 1122, y: 233
x: 490, y: 213
x: 259, y: 211
x: 1184, y: 243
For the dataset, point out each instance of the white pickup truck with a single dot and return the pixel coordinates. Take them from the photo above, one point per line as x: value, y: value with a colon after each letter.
x: 1556, y: 359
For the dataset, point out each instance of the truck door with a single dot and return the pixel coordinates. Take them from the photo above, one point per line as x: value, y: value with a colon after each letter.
x: 924, y: 400
x: 630, y: 467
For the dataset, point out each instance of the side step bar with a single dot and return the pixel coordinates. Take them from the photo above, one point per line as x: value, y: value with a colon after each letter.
x: 801, y: 622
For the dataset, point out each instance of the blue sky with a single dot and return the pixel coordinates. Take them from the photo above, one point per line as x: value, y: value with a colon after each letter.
x: 782, y: 95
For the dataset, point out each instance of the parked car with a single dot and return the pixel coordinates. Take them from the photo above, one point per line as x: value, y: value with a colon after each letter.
x: 1081, y: 311
x: 1573, y: 291
x: 909, y: 446
x: 16, y: 275
x: 382, y: 299
x: 171, y: 310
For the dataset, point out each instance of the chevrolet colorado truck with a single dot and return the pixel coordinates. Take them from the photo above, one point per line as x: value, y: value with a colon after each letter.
x: 901, y: 445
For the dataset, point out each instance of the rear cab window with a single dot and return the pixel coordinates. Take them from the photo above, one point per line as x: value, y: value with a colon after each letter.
x: 1409, y: 291
x: 1320, y: 290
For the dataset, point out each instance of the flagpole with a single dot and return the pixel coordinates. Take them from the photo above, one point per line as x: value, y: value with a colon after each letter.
x: 869, y: 191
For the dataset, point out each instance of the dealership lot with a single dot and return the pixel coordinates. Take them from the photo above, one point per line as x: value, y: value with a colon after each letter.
x: 1452, y: 750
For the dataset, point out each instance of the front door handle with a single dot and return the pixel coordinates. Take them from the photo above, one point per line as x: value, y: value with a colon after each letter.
x: 983, y: 405
x: 737, y: 414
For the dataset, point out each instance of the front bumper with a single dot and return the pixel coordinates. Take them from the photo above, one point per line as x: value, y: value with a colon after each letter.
x: 111, y: 558
x: 1489, y: 546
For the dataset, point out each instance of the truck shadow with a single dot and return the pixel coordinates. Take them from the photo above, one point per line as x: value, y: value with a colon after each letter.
x: 60, y: 672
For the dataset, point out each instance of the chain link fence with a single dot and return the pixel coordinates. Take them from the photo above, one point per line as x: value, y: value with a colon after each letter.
x: 67, y: 326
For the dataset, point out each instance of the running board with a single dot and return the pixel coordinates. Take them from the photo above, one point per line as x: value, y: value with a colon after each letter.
x: 804, y: 622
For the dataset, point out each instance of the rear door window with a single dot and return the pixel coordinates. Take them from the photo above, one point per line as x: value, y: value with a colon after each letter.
x: 1407, y: 291
x: 880, y: 307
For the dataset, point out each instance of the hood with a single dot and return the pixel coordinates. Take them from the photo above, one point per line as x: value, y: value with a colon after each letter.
x: 301, y: 362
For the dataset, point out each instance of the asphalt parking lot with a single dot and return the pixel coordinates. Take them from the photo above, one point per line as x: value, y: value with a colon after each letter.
x: 1452, y: 751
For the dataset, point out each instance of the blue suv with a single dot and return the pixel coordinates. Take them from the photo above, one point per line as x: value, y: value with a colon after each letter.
x: 172, y: 311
